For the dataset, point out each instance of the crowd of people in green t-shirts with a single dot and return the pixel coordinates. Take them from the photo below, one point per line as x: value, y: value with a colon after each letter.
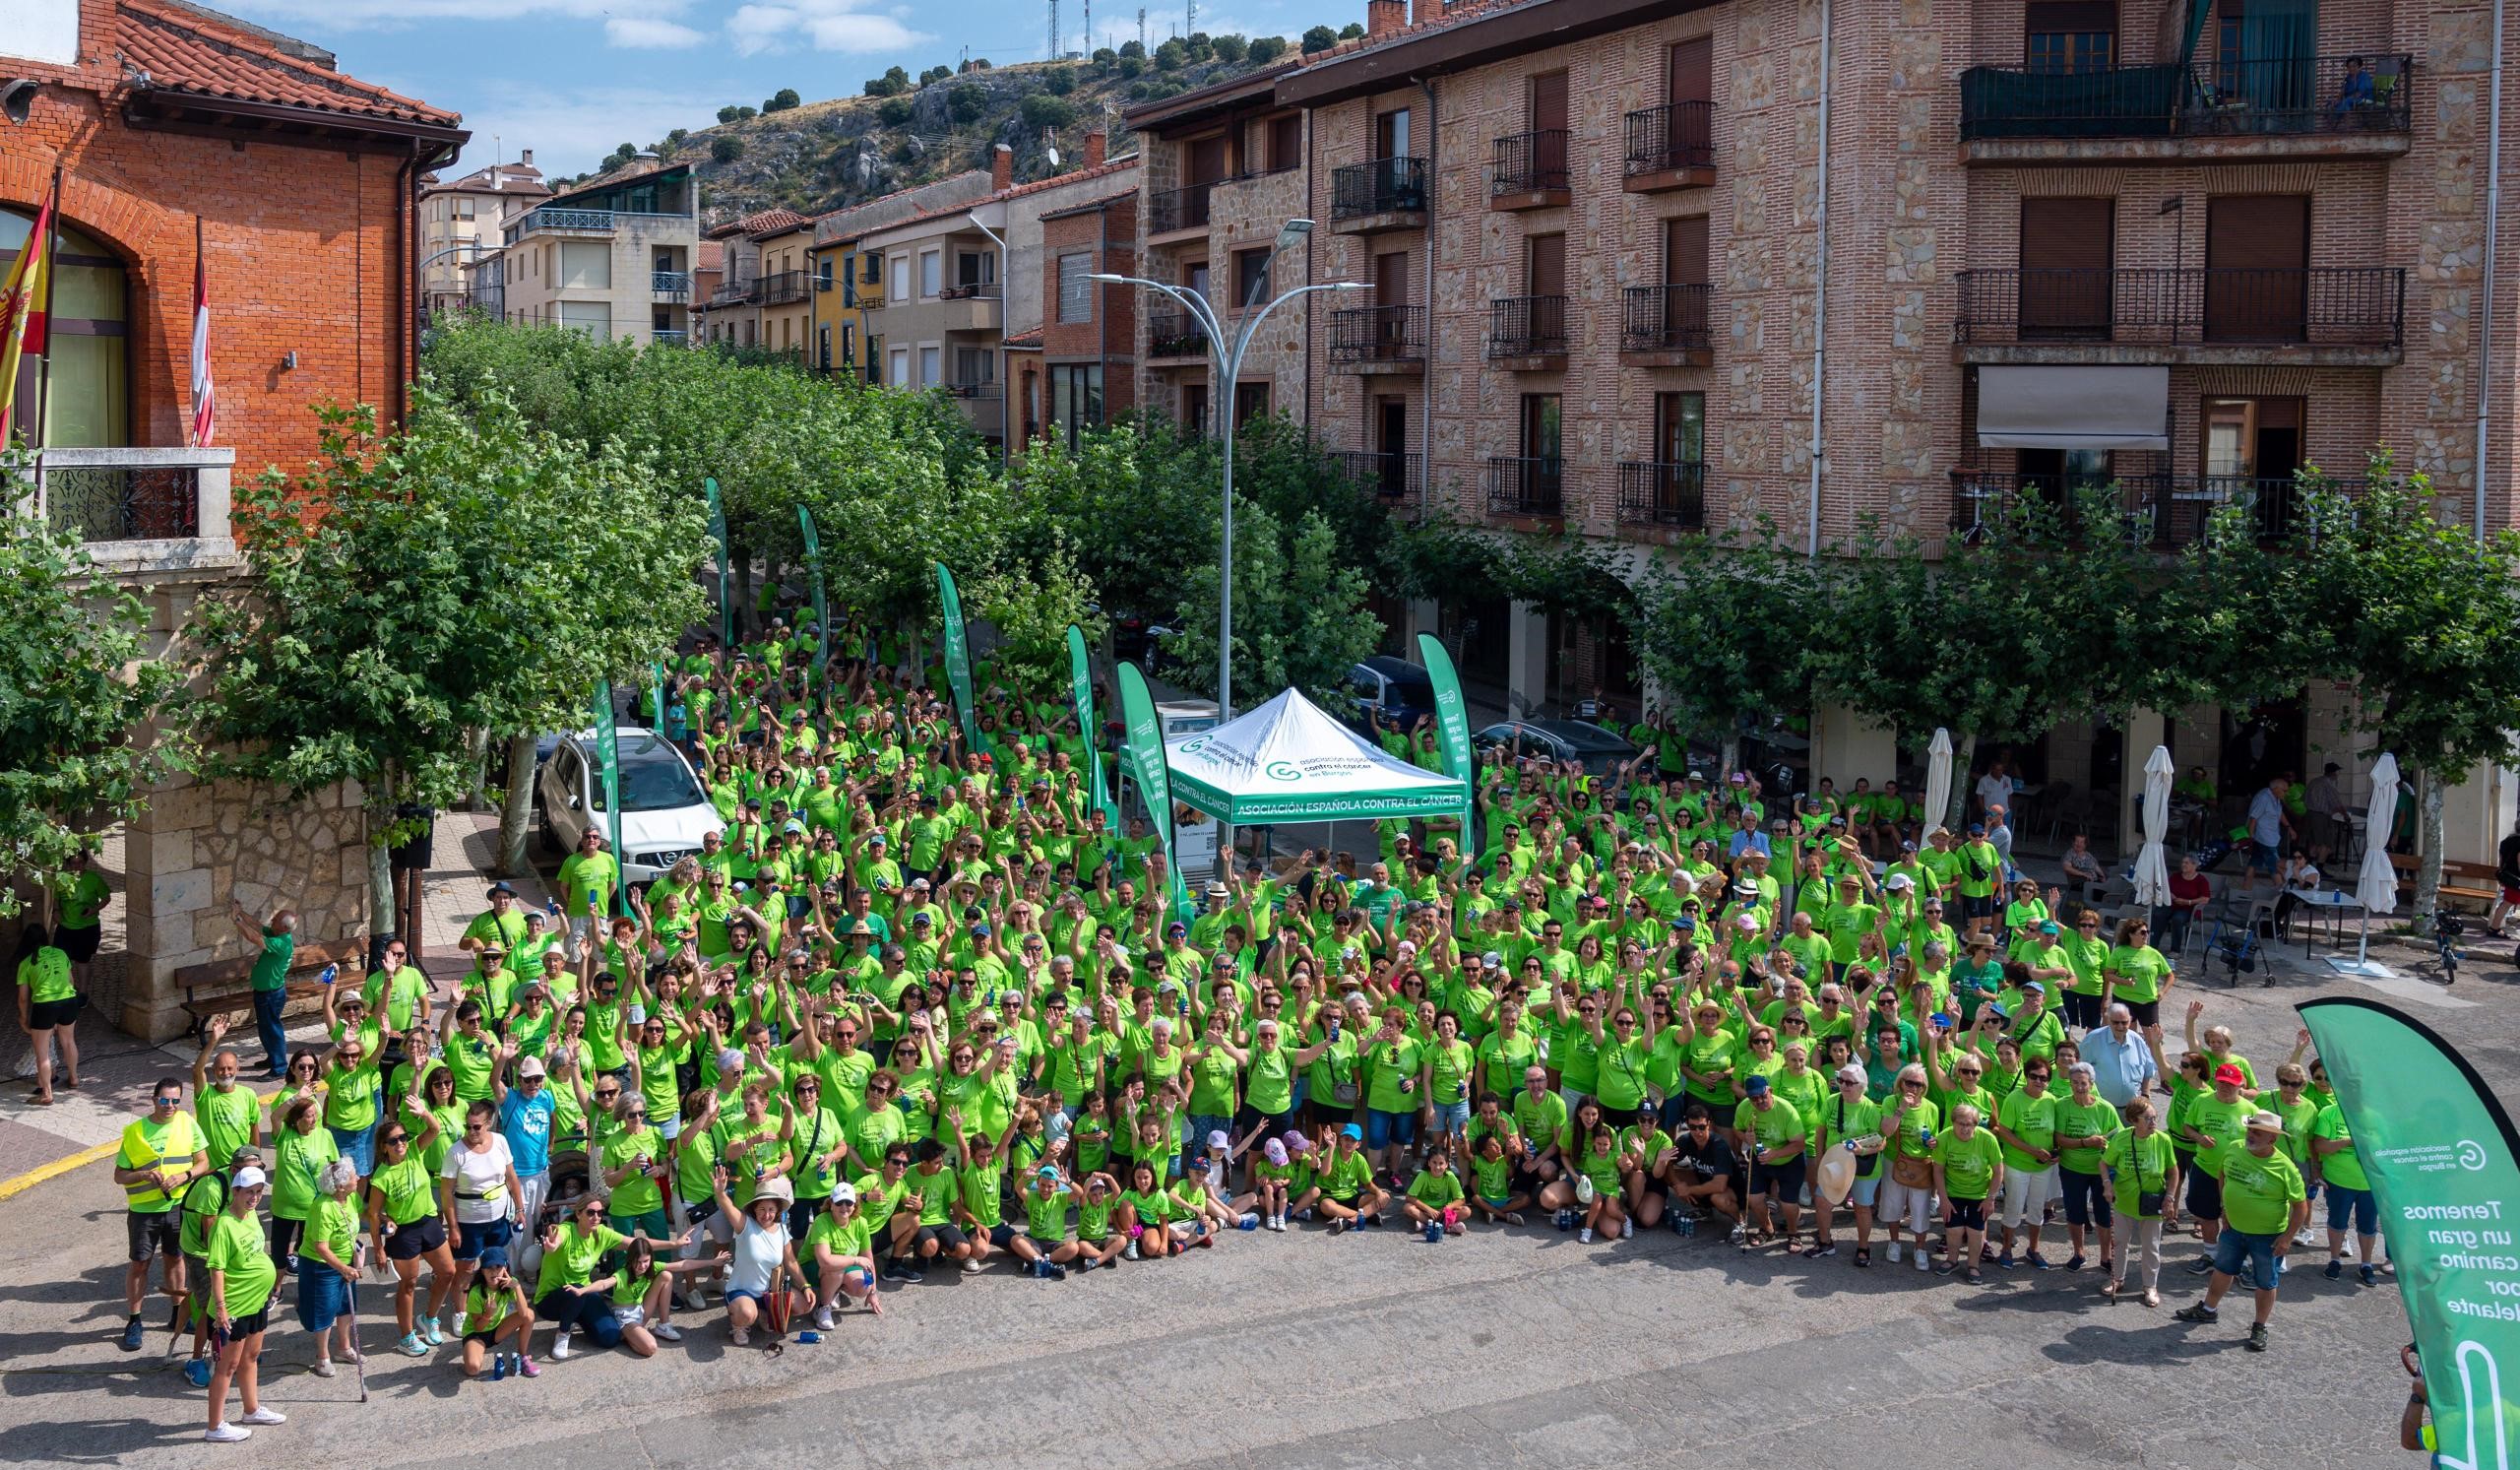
x: 926, y: 1003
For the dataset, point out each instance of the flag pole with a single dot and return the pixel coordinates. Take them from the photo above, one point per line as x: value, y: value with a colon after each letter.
x: 192, y: 403
x: 43, y: 368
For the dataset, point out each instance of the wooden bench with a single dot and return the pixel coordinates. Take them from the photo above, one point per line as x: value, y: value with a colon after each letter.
x: 226, y: 988
x: 2461, y: 882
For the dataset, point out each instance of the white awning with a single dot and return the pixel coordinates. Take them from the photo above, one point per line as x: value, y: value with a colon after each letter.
x: 2074, y: 407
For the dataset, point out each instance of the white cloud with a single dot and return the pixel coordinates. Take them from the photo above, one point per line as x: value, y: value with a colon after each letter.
x: 572, y: 129
x: 649, y: 34
x: 826, y: 25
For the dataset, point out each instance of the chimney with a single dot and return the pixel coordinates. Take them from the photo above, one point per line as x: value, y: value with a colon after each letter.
x: 526, y: 160
x: 1001, y: 169
x: 1385, y: 17
x: 1094, y: 144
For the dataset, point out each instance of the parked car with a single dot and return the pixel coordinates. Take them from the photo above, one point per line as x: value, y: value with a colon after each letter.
x: 1395, y: 688
x: 1582, y: 741
x: 665, y: 812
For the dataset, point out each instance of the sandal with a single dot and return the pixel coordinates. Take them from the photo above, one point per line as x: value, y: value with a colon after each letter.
x: 1863, y: 1255
x: 41, y: 1099
x: 1974, y: 1276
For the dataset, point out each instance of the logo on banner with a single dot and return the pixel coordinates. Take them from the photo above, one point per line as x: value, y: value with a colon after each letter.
x: 1283, y: 769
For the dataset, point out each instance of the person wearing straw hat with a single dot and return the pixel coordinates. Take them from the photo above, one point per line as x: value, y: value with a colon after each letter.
x: 2264, y: 1203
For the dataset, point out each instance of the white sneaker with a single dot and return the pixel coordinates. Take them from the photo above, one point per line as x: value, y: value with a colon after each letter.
x: 1894, y: 1252
x: 229, y: 1433
x: 1131, y: 1253
x: 970, y: 1264
x: 666, y: 1332
x: 265, y: 1415
x: 1923, y: 1260
x: 461, y: 1318
x: 822, y: 1320
x: 321, y: 1368
x: 1586, y: 1237
x: 1626, y: 1229
x: 560, y: 1344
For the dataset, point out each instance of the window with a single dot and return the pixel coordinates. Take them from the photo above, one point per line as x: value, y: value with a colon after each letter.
x: 1250, y: 277
x: 665, y: 261
x: 847, y: 342
x: 2069, y: 36
x: 822, y: 272
x: 1391, y: 134
x: 1286, y: 142
x: 1542, y: 423
x: 585, y: 265
x: 1194, y: 409
x: 975, y: 365
x: 2066, y: 255
x: 931, y: 273
x: 787, y: 334
x: 1076, y: 293
x: 874, y: 267
x: 464, y: 208
x: 931, y: 360
x: 974, y: 268
x: 1680, y: 427
x: 89, y: 404
x: 593, y: 318
x: 1075, y: 398
x: 901, y: 278
x: 748, y: 339
x: 899, y: 372
x: 822, y: 346
x: 1250, y: 400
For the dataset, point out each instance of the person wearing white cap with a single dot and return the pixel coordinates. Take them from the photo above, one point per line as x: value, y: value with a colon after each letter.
x: 2264, y: 1204
x: 1850, y: 1121
x: 242, y: 1276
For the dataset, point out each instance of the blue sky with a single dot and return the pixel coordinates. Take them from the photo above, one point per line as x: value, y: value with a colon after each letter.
x: 571, y: 79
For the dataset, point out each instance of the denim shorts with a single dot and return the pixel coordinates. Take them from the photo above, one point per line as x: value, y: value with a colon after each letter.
x: 1452, y: 1117
x: 1865, y: 1191
x: 2239, y: 1248
x: 1383, y: 1129
x: 471, y: 1240
x: 2356, y: 1206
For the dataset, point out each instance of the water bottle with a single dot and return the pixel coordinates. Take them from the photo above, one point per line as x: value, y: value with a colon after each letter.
x: 498, y: 1367
x: 1248, y: 1222
x: 328, y: 974
x: 809, y: 1335
x: 1687, y: 1223
x: 1434, y: 1231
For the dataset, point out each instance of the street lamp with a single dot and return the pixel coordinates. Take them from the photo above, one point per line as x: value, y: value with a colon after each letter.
x: 1228, y: 362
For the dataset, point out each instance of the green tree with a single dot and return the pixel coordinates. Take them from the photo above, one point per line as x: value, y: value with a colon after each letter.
x: 967, y: 104
x: 1299, y: 615
x: 1132, y: 505
x: 1229, y: 48
x: 1030, y: 602
x: 80, y: 696
x: 935, y: 74
x: 727, y: 149
x: 1172, y: 55
x: 729, y: 113
x: 1136, y: 48
x: 1728, y: 630
x: 780, y: 100
x: 1353, y: 31
x: 1319, y: 38
x: 895, y: 111
x: 2424, y: 620
x: 1044, y: 110
x: 1267, y: 48
x: 1060, y: 80
x: 1131, y: 66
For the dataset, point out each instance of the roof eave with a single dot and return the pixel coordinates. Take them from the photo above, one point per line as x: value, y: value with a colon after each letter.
x: 1473, y: 42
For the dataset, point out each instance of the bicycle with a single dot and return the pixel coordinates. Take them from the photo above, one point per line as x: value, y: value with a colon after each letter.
x: 2446, y: 930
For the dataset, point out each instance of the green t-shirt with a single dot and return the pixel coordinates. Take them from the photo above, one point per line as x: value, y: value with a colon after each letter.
x: 1390, y: 1063
x: 45, y: 974
x: 1347, y: 1176
x: 2139, y: 1166
x: 572, y: 1261
x: 1777, y: 1126
x: 409, y: 1188
x: 844, y: 1239
x: 335, y: 1221
x: 2222, y: 1123
x: 2140, y: 971
x: 2259, y: 1193
x: 1436, y: 1191
x: 2083, y: 1120
x: 638, y: 1193
x: 271, y: 968
x: 80, y: 900
x: 1967, y: 1163
x: 2344, y: 1168
x: 238, y: 1249
x: 297, y: 1159
x: 936, y: 1190
x: 2030, y: 1120
x: 226, y: 1120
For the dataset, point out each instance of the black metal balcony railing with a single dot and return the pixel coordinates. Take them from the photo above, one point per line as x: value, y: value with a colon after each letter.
x: 1174, y: 333
x: 1526, y: 484
x: 123, y: 502
x: 1667, y: 318
x: 1678, y: 136
x: 971, y: 290
x: 2165, y: 511
x: 671, y: 286
x: 1378, y: 334
x: 782, y: 288
x: 1388, y: 475
x: 1526, y: 325
x: 1382, y: 187
x: 1529, y: 163
x: 1185, y: 208
x: 734, y: 293
x: 985, y: 389
x: 1663, y: 493
x: 2283, y: 95
x: 2351, y: 306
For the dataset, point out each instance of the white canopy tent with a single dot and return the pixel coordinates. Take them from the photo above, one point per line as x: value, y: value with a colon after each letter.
x: 1288, y: 761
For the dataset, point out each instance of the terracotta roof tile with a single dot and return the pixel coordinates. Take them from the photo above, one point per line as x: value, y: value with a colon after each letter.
x: 770, y: 222
x: 183, y: 51
x: 1023, y: 340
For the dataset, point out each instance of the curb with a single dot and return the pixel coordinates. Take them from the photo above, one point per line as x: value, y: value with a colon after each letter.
x: 10, y: 1189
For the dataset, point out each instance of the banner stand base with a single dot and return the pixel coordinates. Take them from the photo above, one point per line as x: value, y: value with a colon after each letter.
x: 2367, y: 969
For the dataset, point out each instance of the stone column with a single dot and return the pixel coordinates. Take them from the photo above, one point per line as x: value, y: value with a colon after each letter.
x: 1526, y: 660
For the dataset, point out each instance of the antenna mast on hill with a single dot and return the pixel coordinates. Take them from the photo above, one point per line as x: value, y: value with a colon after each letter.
x: 1088, y: 27
x: 1141, y: 28
x: 1190, y: 20
x: 1055, y: 30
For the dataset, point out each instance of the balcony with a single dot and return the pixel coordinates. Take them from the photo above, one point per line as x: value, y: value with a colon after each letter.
x: 665, y: 338
x: 1526, y: 333
x: 2304, y: 107
x: 142, y: 510
x: 1177, y: 214
x: 669, y: 286
x: 734, y: 293
x: 1529, y: 170
x: 1173, y: 337
x: 2349, y: 317
x: 1670, y: 148
x: 2164, y: 511
x: 1385, y: 194
x: 1525, y: 485
x: 1379, y: 339
x: 1665, y: 326
x: 1389, y: 476
x: 986, y: 390
x: 549, y: 221
x: 972, y: 291
x: 974, y: 307
x: 783, y: 288
x: 1664, y: 495
x: 870, y: 295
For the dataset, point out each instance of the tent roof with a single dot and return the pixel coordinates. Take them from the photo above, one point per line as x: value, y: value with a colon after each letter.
x: 1286, y: 761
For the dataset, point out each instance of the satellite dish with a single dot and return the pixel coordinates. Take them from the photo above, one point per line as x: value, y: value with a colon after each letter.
x: 1054, y: 156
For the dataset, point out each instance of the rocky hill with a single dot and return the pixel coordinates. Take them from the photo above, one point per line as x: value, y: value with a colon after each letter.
x: 813, y: 157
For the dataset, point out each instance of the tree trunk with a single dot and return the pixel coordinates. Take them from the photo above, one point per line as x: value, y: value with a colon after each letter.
x: 516, y: 813
x: 743, y: 587
x: 380, y: 916
x: 2428, y: 869
x: 1731, y: 760
x: 1955, y: 814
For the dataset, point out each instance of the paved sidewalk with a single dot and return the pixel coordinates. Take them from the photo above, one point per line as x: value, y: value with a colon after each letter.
x: 116, y: 1071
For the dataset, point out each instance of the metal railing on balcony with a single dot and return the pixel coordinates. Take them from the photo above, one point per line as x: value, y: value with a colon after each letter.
x: 102, y: 495
x: 546, y: 216
x: 1185, y: 208
x: 669, y: 286
x: 1174, y: 333
x: 1667, y: 318
x: 1526, y: 325
x: 1378, y: 334
x: 1390, y: 476
x: 1680, y: 134
x: 2350, y: 306
x: 985, y: 389
x: 665, y: 337
x: 783, y: 287
x: 1668, y: 493
x: 1383, y: 187
x: 734, y: 293
x: 870, y: 295
x: 2164, y: 511
x: 1529, y: 163
x: 2270, y: 98
x: 972, y: 291
x: 1525, y: 485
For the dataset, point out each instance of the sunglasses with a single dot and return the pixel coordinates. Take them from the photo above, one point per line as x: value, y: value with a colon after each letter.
x: 390, y: 1139
x: 166, y: 1101
x: 608, y: 1094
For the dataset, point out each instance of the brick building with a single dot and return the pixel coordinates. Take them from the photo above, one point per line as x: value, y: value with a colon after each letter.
x: 1631, y: 263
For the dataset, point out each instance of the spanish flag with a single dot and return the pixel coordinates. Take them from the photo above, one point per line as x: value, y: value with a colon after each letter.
x: 22, y: 315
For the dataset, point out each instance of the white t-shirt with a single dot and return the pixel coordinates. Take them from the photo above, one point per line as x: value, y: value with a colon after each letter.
x: 481, y: 1178
x: 758, y: 1256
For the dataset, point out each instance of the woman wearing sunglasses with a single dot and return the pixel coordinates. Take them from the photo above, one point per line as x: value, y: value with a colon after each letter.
x: 404, y: 1229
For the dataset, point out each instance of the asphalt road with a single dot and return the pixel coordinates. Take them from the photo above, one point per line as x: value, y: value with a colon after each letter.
x: 1299, y: 1349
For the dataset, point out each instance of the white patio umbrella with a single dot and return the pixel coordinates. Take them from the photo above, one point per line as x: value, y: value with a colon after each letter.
x: 2152, y: 867
x: 1937, y: 778
x: 2377, y: 888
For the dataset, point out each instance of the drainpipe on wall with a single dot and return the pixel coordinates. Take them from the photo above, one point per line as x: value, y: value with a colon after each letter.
x: 2485, y: 318
x: 1820, y: 291
x: 1432, y: 336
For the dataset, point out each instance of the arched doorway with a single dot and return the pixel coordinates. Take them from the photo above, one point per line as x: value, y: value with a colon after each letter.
x: 87, y: 354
